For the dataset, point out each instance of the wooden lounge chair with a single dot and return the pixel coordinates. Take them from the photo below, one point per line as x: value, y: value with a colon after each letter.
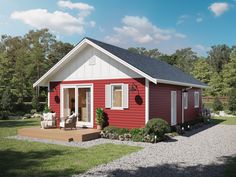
x: 68, y: 122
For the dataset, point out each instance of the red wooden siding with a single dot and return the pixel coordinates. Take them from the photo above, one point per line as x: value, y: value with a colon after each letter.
x: 132, y: 117
x: 160, y: 102
x: 55, y: 98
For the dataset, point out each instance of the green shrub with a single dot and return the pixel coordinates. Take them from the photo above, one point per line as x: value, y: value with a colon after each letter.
x: 136, y: 131
x: 158, y: 127
x: 99, y: 116
x: 232, y: 100
x: 116, y: 130
x: 137, y: 138
x: 217, y: 104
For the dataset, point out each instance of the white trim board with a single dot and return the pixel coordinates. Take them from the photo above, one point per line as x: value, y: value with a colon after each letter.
x: 146, y: 100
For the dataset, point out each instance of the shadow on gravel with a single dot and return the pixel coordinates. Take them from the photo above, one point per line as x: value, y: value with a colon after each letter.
x: 174, y: 170
x: 200, y: 129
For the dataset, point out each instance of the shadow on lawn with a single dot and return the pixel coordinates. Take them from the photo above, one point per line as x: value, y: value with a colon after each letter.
x: 172, y: 170
x: 26, y: 164
x: 17, y: 123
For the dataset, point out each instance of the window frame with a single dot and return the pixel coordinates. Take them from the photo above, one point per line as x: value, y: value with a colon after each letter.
x: 198, y: 98
x: 185, y: 100
x: 112, y: 91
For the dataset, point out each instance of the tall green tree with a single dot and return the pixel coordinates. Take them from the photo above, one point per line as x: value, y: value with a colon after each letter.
x: 153, y: 53
x: 218, y: 56
x: 184, y: 59
x: 229, y: 73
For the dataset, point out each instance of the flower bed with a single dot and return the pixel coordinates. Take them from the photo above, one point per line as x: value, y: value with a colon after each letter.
x: 153, y: 132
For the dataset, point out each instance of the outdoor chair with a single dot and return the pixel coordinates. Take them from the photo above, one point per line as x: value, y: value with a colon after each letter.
x: 48, y: 120
x: 68, y: 122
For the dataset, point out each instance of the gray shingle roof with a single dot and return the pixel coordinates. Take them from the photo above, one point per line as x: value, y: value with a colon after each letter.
x: 153, y: 67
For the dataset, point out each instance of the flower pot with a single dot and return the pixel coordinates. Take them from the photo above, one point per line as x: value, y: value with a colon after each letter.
x: 99, y: 127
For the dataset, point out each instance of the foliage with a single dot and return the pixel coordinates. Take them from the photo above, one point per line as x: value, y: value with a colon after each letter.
x: 137, y: 134
x: 116, y: 130
x: 35, y: 101
x: 23, y: 59
x: 46, y: 109
x: 232, y: 100
x: 99, y: 116
x: 218, y: 56
x: 158, y: 127
x: 229, y: 73
x: 217, y: 104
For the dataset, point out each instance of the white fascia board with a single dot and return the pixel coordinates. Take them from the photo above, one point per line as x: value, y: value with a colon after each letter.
x: 180, y: 83
x: 59, y: 63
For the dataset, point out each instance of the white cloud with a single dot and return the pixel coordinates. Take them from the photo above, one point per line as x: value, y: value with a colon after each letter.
x: 58, y: 21
x: 141, y: 31
x: 201, y: 49
x: 219, y: 8
x: 182, y: 19
x: 78, y: 5
x: 199, y: 19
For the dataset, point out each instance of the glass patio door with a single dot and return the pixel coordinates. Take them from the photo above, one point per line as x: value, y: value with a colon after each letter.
x: 77, y: 99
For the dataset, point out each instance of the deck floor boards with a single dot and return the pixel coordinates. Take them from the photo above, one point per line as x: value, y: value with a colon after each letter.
x: 77, y: 135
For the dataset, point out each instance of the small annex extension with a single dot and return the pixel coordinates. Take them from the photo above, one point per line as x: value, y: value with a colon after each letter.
x: 131, y: 88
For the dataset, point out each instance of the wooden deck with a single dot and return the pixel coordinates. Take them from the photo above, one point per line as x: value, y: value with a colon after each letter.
x: 60, y: 134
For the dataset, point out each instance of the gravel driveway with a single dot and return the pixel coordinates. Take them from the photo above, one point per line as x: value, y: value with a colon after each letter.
x: 198, y: 154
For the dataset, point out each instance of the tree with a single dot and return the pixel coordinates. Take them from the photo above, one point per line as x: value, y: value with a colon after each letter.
x: 184, y: 59
x: 218, y: 56
x: 229, y: 73
x: 217, y: 104
x: 202, y: 71
x: 216, y: 85
x: 6, y: 103
x: 232, y: 100
x: 58, y: 51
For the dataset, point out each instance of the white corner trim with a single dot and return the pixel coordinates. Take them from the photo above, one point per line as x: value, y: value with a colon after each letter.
x: 146, y: 100
x: 182, y: 95
x: 163, y: 81
x: 49, y: 94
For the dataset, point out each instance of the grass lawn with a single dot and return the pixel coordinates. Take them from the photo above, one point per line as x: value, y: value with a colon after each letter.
x: 25, y: 159
x: 230, y: 170
x: 224, y: 120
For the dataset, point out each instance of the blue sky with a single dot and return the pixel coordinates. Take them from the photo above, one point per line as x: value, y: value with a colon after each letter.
x: 164, y: 24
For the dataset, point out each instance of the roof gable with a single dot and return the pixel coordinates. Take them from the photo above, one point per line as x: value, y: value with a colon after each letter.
x: 152, y: 69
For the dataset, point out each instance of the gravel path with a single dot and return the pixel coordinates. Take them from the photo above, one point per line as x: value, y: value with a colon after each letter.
x: 198, y: 154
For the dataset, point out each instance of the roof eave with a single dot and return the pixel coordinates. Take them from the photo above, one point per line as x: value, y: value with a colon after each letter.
x: 180, y: 83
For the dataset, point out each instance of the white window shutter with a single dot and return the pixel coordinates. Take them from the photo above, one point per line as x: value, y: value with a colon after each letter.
x: 108, y: 96
x: 125, y: 95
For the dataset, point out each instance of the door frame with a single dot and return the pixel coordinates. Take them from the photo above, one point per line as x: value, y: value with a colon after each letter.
x: 76, y: 87
x: 173, y: 116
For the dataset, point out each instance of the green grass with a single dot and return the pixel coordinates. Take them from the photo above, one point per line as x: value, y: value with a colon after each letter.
x: 224, y: 120
x: 25, y: 159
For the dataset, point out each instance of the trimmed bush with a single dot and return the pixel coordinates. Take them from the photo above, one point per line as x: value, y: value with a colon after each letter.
x: 158, y: 127
x: 217, y: 104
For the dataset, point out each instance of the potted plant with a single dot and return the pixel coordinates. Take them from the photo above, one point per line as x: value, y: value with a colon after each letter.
x: 99, y: 118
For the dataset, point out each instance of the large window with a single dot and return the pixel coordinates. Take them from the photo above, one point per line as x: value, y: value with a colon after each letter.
x: 116, y: 96
x: 185, y: 100
x: 196, y: 99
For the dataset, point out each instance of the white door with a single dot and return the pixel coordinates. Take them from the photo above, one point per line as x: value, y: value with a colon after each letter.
x: 173, y: 108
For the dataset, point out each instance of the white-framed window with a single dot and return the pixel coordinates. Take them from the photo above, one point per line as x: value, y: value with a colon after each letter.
x: 116, y: 96
x: 196, y: 99
x: 185, y: 100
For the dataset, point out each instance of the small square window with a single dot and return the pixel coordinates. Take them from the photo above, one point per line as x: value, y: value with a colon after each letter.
x: 92, y: 60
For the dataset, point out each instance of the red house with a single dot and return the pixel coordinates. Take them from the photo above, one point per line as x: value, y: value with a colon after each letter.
x: 131, y: 88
